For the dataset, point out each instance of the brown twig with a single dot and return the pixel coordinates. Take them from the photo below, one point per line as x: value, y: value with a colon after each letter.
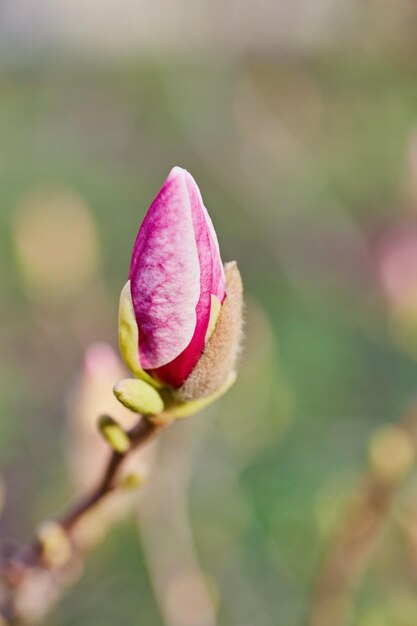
x: 393, y: 451
x: 17, y: 566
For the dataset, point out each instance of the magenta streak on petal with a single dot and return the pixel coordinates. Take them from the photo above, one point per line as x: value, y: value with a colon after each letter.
x: 212, y: 281
x: 165, y: 276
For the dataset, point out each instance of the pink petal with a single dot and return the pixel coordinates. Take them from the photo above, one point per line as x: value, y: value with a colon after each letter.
x: 165, y: 276
x: 176, y: 267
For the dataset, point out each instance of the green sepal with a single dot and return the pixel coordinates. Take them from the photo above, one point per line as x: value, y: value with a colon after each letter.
x: 139, y: 396
x: 186, y: 409
x: 129, y: 337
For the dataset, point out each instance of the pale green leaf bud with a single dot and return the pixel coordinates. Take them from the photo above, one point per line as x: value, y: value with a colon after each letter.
x: 139, y: 396
x: 114, y: 434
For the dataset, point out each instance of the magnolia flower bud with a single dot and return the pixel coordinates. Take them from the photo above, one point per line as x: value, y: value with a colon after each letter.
x: 180, y: 312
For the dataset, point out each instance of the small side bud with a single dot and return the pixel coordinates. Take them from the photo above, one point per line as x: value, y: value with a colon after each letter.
x: 56, y: 547
x: 132, y: 481
x: 114, y: 434
x: 391, y: 452
x: 138, y: 396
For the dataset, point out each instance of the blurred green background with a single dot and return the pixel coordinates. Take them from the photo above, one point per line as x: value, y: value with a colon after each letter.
x: 298, y: 121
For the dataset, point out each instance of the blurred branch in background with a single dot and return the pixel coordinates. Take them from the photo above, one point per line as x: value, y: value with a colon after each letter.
x: 392, y: 456
x: 164, y: 525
